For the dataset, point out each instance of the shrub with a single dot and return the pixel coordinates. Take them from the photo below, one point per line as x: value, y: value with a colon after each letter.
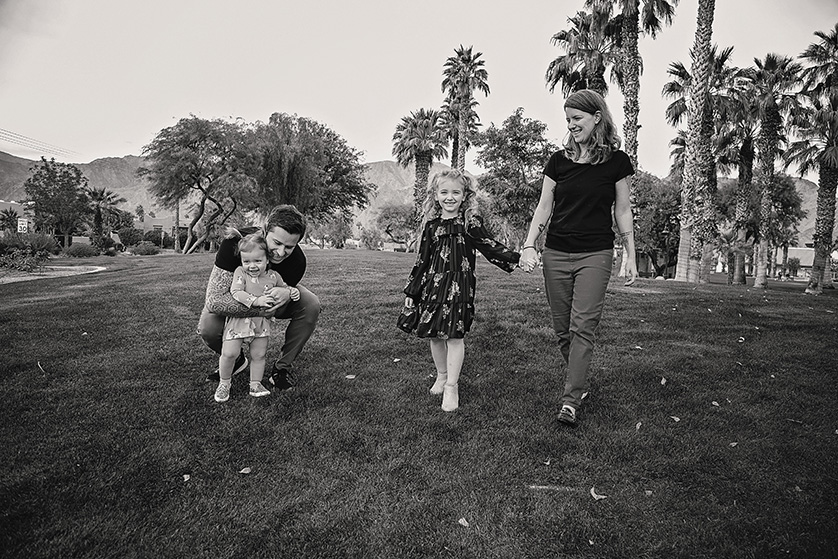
x: 38, y: 242
x: 130, y: 236
x: 80, y: 250
x: 154, y: 238
x: 23, y: 260
x: 146, y: 248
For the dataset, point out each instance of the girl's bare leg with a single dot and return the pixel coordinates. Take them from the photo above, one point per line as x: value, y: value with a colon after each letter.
x: 439, y: 351
x: 456, y: 353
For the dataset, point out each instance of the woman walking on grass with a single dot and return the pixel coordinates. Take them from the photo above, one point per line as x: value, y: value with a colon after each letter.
x: 440, y: 290
x: 581, y: 184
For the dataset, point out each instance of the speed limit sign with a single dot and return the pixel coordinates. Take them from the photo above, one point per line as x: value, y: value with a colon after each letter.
x: 22, y: 225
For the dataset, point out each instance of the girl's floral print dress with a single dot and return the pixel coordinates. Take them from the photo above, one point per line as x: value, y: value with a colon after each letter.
x: 442, y: 281
x: 245, y: 289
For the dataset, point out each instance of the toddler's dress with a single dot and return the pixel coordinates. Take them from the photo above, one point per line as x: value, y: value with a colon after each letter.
x: 442, y: 281
x: 245, y: 289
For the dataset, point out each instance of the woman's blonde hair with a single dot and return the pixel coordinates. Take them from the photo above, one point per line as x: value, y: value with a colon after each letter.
x: 604, y: 138
x: 431, y: 209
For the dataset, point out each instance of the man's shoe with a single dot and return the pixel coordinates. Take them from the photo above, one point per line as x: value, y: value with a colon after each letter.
x: 568, y: 415
x: 240, y: 365
x: 280, y: 379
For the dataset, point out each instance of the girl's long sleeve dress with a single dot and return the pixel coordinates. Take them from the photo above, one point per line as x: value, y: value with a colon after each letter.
x: 442, y: 281
x: 246, y: 289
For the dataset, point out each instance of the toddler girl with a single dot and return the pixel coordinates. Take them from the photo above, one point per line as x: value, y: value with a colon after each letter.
x: 253, y: 285
x: 440, y: 290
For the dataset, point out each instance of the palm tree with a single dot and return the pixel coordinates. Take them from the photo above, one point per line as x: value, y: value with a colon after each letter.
x: 591, y: 45
x: 697, y: 210
x: 818, y: 147
x: 451, y: 122
x: 8, y: 220
x: 774, y: 80
x: 102, y: 202
x: 648, y: 18
x: 420, y: 138
x: 464, y: 73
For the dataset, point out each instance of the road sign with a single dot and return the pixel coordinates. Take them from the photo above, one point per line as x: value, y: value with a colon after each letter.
x: 22, y: 225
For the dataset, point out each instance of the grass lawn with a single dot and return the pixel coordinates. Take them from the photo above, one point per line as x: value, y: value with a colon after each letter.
x: 711, y: 426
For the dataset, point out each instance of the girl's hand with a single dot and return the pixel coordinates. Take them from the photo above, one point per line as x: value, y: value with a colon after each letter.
x: 294, y: 293
x: 408, y: 302
x: 264, y: 301
x: 529, y: 259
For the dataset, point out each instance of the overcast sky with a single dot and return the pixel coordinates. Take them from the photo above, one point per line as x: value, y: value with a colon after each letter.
x: 100, y: 78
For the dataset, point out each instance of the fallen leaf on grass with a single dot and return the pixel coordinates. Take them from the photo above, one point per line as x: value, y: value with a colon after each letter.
x: 245, y: 470
x: 675, y: 419
x: 547, y: 463
x: 715, y: 403
x: 637, y: 347
x: 42, y: 369
x: 186, y: 477
x: 584, y: 395
x: 350, y: 377
x: 463, y: 522
x: 637, y: 427
x: 396, y: 360
x: 648, y: 493
x: 597, y: 496
x: 84, y: 333
x: 590, y: 542
x: 663, y: 381
x: 794, y: 421
x: 733, y: 444
x: 830, y: 312
x: 741, y: 340
x: 797, y: 488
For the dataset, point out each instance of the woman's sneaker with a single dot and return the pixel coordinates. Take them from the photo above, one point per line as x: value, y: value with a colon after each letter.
x: 568, y: 415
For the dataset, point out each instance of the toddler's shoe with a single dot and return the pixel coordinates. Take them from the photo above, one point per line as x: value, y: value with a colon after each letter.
x: 257, y: 390
x: 568, y: 415
x: 450, y: 397
x: 222, y: 393
x: 441, y: 379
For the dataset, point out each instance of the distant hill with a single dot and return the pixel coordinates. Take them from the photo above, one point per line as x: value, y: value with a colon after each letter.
x: 394, y: 182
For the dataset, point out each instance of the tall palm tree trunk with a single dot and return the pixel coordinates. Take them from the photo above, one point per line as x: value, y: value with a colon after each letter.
x: 743, y: 194
x: 824, y: 225
x: 631, y: 77
x: 691, y: 242
x: 424, y: 159
x: 767, y: 144
x: 461, y: 146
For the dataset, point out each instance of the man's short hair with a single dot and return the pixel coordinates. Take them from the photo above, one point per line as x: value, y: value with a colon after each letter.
x: 289, y: 218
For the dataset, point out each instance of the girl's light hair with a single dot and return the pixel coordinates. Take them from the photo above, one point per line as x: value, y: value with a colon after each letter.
x: 604, y: 139
x: 248, y: 242
x: 431, y: 209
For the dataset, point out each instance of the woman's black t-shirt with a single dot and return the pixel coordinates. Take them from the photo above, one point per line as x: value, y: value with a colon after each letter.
x: 582, y: 201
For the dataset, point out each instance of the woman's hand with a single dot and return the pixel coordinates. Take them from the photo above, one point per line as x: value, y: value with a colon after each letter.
x: 529, y: 259
x: 631, y: 271
x: 408, y: 302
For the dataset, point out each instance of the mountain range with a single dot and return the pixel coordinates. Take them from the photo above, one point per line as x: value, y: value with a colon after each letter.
x: 394, y: 182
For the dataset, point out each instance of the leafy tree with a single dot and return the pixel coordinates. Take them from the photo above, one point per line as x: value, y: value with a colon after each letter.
x: 464, y: 73
x: 8, y: 220
x: 514, y: 156
x: 140, y: 211
x: 130, y: 236
x: 305, y: 163
x: 658, y: 203
x: 58, y: 193
x: 396, y: 221
x: 591, y: 46
x: 206, y: 158
x: 103, y: 202
x: 817, y: 128
x: 419, y: 139
x: 372, y: 238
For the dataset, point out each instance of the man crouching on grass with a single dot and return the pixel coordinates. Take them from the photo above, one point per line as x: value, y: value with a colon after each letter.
x: 284, y: 228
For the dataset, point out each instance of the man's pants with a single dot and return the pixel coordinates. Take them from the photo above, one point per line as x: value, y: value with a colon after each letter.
x: 303, y: 315
x: 575, y: 284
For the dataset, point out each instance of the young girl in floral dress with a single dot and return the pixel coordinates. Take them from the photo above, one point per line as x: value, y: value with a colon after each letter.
x: 252, y: 286
x: 440, y: 290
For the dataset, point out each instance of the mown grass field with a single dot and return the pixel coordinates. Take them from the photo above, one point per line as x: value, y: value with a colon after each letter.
x: 711, y: 426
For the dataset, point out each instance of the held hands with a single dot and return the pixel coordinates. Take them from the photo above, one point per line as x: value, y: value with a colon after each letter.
x: 264, y: 301
x: 408, y: 302
x: 529, y: 259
